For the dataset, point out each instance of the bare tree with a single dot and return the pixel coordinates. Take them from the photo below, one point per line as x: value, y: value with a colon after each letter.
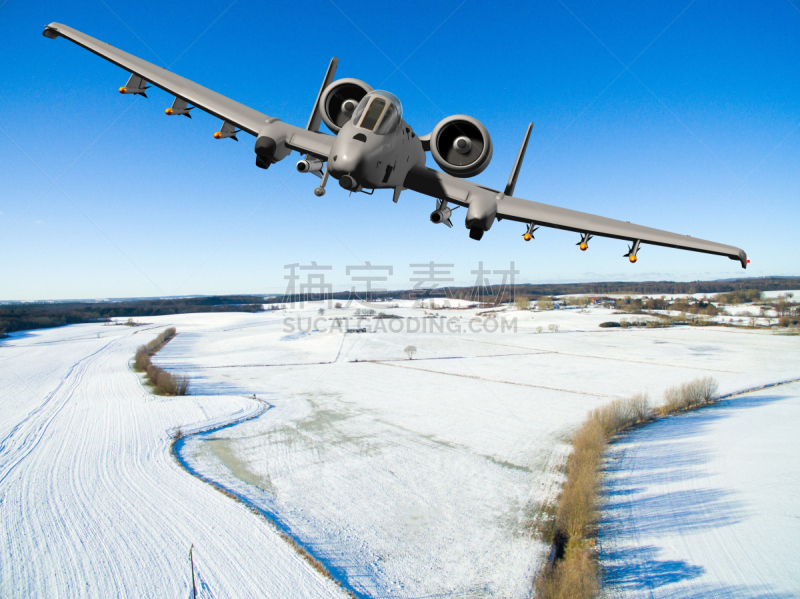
x: 783, y: 304
x: 522, y: 302
x: 410, y: 351
x: 766, y: 314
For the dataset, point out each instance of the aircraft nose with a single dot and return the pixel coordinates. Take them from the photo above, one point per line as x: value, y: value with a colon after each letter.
x: 345, y: 157
x: 342, y: 163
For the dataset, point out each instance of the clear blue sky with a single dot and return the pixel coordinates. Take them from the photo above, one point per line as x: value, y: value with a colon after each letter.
x: 699, y: 135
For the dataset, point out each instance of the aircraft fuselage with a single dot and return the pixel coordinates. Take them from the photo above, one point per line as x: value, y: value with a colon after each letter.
x: 375, y: 161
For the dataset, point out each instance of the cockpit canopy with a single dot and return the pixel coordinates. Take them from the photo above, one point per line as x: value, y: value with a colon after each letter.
x: 378, y: 111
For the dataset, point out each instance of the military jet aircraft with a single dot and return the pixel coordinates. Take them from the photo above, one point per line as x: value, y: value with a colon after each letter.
x: 374, y: 148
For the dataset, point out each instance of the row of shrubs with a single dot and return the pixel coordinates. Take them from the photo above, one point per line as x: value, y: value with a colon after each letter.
x: 697, y: 393
x: 575, y: 574
x: 164, y: 382
x: 642, y: 322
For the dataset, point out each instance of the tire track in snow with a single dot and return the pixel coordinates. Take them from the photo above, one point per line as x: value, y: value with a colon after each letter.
x: 99, y: 508
x: 25, y: 436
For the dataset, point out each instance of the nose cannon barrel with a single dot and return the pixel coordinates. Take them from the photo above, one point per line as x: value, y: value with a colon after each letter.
x: 349, y: 183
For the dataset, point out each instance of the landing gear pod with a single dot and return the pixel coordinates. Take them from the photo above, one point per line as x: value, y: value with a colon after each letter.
x: 481, y: 213
x: 271, y: 144
x: 461, y: 146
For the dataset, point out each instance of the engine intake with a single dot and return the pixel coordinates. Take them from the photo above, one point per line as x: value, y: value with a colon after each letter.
x: 461, y: 146
x: 339, y: 100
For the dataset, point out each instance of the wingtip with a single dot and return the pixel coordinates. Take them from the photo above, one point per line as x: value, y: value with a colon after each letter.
x: 50, y: 31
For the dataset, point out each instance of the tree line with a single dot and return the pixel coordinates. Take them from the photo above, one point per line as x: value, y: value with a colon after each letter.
x: 42, y: 315
x: 507, y: 293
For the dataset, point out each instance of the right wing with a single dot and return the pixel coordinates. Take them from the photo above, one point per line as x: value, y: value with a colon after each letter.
x: 464, y: 193
x: 245, y: 118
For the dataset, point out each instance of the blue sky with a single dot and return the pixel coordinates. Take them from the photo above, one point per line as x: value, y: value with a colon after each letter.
x: 677, y: 115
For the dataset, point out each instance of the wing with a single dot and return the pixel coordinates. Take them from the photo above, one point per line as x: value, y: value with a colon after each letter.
x: 464, y: 193
x: 245, y: 118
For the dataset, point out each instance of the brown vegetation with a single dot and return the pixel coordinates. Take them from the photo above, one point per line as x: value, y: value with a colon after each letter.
x: 575, y: 575
x: 689, y: 395
x: 740, y: 296
x: 164, y: 382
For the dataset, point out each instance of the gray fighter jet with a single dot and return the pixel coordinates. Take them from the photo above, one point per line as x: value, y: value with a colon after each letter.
x: 374, y: 148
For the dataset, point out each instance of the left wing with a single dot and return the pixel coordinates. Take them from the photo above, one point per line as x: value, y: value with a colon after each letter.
x: 238, y: 115
x: 484, y: 205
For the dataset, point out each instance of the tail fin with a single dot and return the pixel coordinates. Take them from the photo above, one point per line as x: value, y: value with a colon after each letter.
x: 512, y: 180
x: 316, y: 114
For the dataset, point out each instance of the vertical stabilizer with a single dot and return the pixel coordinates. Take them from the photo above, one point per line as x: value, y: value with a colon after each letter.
x: 316, y: 114
x: 512, y: 180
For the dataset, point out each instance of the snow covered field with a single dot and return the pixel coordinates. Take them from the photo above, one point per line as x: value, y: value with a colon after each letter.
x: 91, y: 502
x: 706, y: 504
x: 406, y: 478
x: 425, y: 477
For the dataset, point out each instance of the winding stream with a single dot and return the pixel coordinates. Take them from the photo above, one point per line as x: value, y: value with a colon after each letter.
x: 184, y: 450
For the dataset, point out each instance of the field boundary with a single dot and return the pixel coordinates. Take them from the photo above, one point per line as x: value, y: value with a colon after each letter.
x: 163, y: 382
x: 179, y: 438
x: 481, y: 378
x: 573, y: 569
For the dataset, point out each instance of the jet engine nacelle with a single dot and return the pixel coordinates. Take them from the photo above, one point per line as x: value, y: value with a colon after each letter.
x: 461, y: 146
x: 339, y: 100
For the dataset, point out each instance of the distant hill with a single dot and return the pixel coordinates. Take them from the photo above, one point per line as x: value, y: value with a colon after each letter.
x: 41, y: 315
x: 20, y: 316
x: 603, y: 288
x: 664, y: 287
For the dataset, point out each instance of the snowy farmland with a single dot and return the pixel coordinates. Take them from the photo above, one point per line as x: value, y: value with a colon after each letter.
x: 405, y: 478
x: 705, y: 504
x: 91, y: 502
